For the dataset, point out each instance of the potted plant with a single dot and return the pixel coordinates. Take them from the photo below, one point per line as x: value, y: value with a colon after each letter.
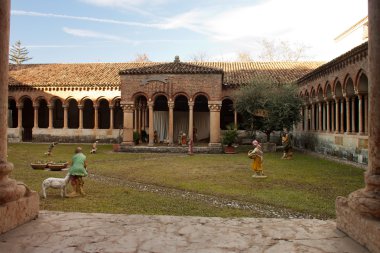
x: 229, y: 138
x: 136, y: 137
x: 57, y: 166
x: 39, y: 165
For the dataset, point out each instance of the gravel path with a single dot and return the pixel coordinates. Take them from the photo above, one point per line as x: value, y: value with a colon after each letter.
x: 262, y: 210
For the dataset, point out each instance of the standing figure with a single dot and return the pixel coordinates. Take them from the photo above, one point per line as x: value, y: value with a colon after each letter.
x: 50, y: 149
x: 94, y: 147
x: 257, y: 155
x: 77, y: 171
x: 155, y: 136
x: 286, y: 142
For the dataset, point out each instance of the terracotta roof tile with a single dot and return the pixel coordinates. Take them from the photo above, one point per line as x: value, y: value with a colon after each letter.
x: 107, y: 74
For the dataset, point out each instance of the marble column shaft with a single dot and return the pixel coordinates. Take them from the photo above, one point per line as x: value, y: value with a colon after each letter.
x: 171, y: 122
x: 35, y: 116
x: 50, y: 116
x: 80, y: 107
x: 191, y: 120
x: 151, y: 127
x: 65, y: 116
x: 348, y: 115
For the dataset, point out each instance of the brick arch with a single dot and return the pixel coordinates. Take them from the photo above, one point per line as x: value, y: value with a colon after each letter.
x: 350, y: 91
x: 138, y: 94
x: 319, y: 91
x: 357, y: 84
x: 326, y: 89
x: 52, y: 99
x: 157, y: 94
x: 181, y: 94
x: 82, y: 100
x: 38, y: 99
x: 200, y: 94
x: 114, y: 100
x: 313, y: 92
x: 337, y: 85
x: 97, y: 101
x: 20, y: 101
x: 67, y: 100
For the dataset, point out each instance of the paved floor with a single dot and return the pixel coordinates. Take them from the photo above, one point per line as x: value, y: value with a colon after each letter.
x: 94, y: 232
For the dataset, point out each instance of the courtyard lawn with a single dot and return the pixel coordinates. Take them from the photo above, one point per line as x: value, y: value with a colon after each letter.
x: 305, y: 184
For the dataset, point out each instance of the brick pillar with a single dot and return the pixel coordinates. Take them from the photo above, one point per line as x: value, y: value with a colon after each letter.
x: 96, y: 117
x: 111, y: 116
x: 50, y: 116
x: 341, y: 123
x: 348, y: 115
x: 65, y: 116
x: 359, y: 214
x: 328, y: 115
x: 80, y: 107
x: 128, y: 123
x: 171, y: 122
x: 215, y: 107
x: 353, y: 114
x: 35, y: 116
x: 191, y: 120
x: 17, y: 205
x: 337, y: 115
x: 151, y: 127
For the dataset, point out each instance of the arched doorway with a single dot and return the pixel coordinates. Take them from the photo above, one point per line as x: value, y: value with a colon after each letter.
x: 57, y: 114
x: 118, y: 115
x: 363, y: 103
x: 12, y: 113
x: 181, y: 118
x: 43, y: 114
x: 161, y: 117
x: 88, y: 114
x: 73, y: 114
x: 27, y: 119
x: 104, y: 114
x: 202, y: 118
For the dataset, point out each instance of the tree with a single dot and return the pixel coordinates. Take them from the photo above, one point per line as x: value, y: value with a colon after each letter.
x: 281, y: 51
x: 268, y: 105
x: 199, y: 57
x: 18, y: 54
x: 141, y: 58
x: 244, y: 57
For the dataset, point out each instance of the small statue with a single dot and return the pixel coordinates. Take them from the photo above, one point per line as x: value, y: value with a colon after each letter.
x: 258, y: 156
x: 286, y: 142
x: 94, y: 147
x: 50, y: 149
x: 155, y: 136
x: 183, y: 139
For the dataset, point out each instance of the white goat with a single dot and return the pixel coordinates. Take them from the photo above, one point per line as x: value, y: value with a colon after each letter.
x: 55, y: 183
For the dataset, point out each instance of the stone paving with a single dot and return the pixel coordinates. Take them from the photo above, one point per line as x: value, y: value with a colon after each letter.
x: 95, y: 232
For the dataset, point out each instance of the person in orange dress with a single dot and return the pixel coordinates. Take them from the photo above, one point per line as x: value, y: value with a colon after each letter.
x: 257, y: 156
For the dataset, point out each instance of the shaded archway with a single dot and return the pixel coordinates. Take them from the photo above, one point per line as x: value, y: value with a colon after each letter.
x: 363, y: 103
x: 202, y: 118
x: 43, y: 114
x: 103, y: 114
x: 12, y: 113
x: 27, y: 119
x: 88, y: 114
x: 73, y: 114
x: 57, y: 114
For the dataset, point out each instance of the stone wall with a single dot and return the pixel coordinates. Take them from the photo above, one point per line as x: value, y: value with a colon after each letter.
x: 346, y: 146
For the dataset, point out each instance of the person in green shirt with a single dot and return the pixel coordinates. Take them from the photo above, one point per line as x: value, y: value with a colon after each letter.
x: 77, y: 171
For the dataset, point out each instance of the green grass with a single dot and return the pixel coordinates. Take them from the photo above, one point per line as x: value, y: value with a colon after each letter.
x: 305, y: 184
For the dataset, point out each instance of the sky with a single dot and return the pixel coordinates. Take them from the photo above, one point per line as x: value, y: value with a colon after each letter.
x: 67, y: 31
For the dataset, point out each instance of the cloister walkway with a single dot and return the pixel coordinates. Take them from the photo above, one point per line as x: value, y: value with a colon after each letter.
x: 95, y: 232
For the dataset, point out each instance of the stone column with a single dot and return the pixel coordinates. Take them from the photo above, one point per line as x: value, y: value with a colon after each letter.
x: 360, y: 109
x: 306, y: 118
x: 19, y: 115
x: 341, y: 123
x: 135, y: 121
x: 35, y: 116
x: 215, y: 107
x: 128, y: 124
x: 151, y: 128
x: 51, y: 107
x: 333, y: 115
x: 365, y: 114
x: 191, y: 120
x: 359, y: 215
x: 328, y: 115
x: 337, y: 115
x: 17, y: 203
x: 111, y: 116
x: 96, y: 116
x: 353, y: 115
x: 80, y: 107
x: 143, y: 116
x: 171, y: 122
x: 235, y: 120
x: 65, y: 116
x: 348, y: 115
x: 312, y: 127
x: 320, y: 116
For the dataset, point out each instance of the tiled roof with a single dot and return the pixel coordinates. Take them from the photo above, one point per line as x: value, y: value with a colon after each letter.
x: 107, y: 74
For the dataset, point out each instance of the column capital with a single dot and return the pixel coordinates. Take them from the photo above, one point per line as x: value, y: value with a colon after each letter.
x: 96, y: 107
x: 171, y: 105
x: 128, y: 107
x: 215, y: 107
x: 36, y: 106
x: 150, y: 103
x: 50, y: 106
x: 111, y: 107
x: 20, y: 106
x: 65, y: 106
x: 80, y: 107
